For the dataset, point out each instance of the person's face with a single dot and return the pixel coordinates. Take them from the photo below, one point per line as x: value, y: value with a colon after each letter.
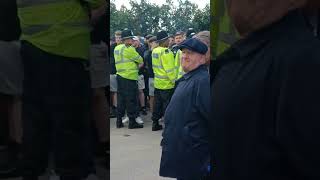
x: 136, y: 43
x: 129, y: 42
x: 190, y: 60
x: 118, y: 39
x: 178, y: 39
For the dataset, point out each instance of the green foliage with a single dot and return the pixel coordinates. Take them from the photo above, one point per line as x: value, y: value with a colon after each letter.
x: 145, y: 17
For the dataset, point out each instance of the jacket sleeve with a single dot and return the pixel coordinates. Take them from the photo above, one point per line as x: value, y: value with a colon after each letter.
x: 136, y: 56
x: 168, y: 63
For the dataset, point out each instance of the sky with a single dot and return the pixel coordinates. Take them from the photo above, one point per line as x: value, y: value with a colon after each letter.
x: 201, y: 3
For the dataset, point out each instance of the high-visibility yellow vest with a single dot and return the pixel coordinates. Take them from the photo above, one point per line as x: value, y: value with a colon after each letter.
x: 179, y: 69
x: 60, y: 27
x: 127, y: 61
x: 224, y: 34
x: 163, y: 64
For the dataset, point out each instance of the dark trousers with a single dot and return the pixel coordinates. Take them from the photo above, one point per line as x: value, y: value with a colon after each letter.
x: 161, y: 101
x: 127, y: 97
x: 56, y: 106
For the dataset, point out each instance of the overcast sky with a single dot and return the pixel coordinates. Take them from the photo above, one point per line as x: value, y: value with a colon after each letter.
x: 201, y: 3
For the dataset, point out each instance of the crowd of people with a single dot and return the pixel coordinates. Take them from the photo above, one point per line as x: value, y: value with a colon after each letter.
x: 53, y: 75
x: 170, y: 74
x: 154, y: 72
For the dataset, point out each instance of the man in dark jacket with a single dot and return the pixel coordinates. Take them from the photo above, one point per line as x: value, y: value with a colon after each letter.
x: 185, y: 146
x: 265, y: 104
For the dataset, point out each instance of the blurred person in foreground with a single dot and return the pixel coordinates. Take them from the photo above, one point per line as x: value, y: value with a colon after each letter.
x: 113, y: 75
x: 185, y: 143
x: 56, y: 88
x: 265, y: 95
x: 11, y: 76
x: 99, y: 80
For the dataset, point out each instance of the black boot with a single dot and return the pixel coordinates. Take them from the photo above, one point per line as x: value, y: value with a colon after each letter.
x: 119, y: 123
x: 113, y: 112
x: 156, y: 126
x: 133, y: 124
x: 143, y: 111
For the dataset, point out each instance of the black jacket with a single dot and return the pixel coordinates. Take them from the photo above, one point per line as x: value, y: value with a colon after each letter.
x: 9, y: 21
x: 112, y: 60
x: 148, y: 61
x: 266, y: 105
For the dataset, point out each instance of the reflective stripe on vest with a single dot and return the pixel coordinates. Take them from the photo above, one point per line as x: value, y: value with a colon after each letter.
x: 122, y: 70
x: 34, y: 29
x: 161, y: 77
x: 159, y: 67
x: 171, y: 70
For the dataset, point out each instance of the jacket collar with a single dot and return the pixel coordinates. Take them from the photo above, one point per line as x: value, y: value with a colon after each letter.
x: 195, y: 71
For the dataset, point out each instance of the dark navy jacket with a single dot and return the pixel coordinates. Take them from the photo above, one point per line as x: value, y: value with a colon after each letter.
x: 185, y: 149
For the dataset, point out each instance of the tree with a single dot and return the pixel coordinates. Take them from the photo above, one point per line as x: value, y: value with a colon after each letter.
x: 146, y: 17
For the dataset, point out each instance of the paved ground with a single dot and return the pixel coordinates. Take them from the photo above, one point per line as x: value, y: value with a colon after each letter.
x: 135, y: 153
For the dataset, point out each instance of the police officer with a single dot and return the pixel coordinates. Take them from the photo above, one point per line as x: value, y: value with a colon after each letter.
x: 127, y: 61
x: 163, y: 65
x: 190, y: 32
